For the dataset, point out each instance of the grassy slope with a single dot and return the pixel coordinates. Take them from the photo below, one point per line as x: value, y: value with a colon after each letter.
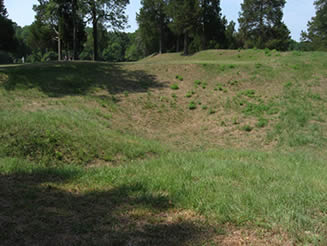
x: 79, y: 121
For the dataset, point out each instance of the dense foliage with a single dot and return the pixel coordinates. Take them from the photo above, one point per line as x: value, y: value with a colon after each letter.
x: 261, y: 24
x: 315, y: 37
x: 91, y: 29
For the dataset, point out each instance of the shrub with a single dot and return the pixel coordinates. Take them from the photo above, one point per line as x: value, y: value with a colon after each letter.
x: 262, y: 122
x: 197, y: 82
x: 192, y: 105
x: 190, y: 93
x: 247, y: 128
x: 174, y: 87
x: 180, y: 78
x: 204, y: 85
x: 50, y: 56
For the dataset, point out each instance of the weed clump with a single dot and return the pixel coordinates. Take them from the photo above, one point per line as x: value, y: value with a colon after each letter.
x: 204, y: 85
x: 247, y: 93
x: 180, y: 78
x: 192, y: 105
x: 247, y: 128
x: 197, y: 82
x: 190, y: 94
x: 212, y: 111
x: 262, y: 122
x: 174, y: 87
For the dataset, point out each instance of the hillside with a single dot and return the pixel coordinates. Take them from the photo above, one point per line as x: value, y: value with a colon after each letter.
x: 143, y: 142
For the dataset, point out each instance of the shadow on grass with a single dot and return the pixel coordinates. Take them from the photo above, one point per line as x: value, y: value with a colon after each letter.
x: 78, y: 78
x: 35, y: 211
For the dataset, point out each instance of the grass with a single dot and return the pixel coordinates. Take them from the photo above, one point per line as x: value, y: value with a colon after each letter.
x: 279, y: 192
x: 108, y: 154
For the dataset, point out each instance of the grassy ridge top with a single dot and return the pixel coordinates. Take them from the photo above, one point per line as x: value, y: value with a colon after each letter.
x: 147, y: 141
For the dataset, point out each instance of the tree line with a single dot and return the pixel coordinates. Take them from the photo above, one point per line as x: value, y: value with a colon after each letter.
x: 91, y: 29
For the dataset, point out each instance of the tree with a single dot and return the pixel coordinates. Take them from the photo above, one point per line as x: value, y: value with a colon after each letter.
x: 213, y: 24
x: 186, y: 19
x: 3, y: 10
x: 110, y: 12
x: 316, y: 34
x: 8, y: 42
x: 153, y: 21
x: 230, y: 34
x: 66, y: 24
x: 261, y: 24
x: 51, y: 13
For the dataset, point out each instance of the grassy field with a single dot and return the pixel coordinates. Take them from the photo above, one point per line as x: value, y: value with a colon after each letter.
x: 219, y: 148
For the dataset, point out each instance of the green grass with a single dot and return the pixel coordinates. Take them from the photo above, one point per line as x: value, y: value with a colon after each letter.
x: 67, y: 137
x: 102, y: 154
x: 274, y: 191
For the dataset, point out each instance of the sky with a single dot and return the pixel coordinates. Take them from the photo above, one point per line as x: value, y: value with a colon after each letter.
x: 297, y: 13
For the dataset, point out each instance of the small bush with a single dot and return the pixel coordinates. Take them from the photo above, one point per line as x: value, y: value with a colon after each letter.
x: 197, y: 82
x: 204, y: 107
x: 247, y: 128
x: 180, y: 78
x: 190, y: 93
x: 174, y: 87
x: 267, y: 52
x: 204, y: 85
x: 192, y: 105
x: 262, y: 122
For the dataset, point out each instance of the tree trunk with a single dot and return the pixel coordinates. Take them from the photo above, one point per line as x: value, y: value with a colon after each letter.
x: 177, y: 44
x: 160, y: 39
x: 161, y: 33
x: 185, y: 44
x: 59, y: 48
x: 95, y: 31
x: 74, y: 7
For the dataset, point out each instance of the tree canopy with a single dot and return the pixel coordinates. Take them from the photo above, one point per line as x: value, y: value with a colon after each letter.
x: 261, y: 24
x: 317, y: 27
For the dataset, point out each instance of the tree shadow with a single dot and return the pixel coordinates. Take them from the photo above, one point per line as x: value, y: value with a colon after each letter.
x: 78, y: 78
x: 34, y: 210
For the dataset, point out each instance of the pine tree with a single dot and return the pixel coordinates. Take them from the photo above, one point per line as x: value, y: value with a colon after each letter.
x: 186, y: 19
x: 213, y: 26
x: 152, y: 21
x: 261, y: 24
x: 317, y: 27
